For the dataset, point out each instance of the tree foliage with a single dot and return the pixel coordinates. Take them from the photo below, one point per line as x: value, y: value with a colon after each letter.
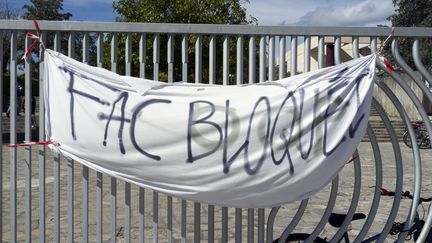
x: 413, y: 13
x: 180, y: 11
x: 45, y: 10
x: 183, y: 11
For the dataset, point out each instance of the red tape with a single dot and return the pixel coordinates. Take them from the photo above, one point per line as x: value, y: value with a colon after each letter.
x: 29, y: 50
x: 351, y: 160
x: 36, y: 27
x: 29, y: 144
x: 388, y: 65
x: 35, y: 41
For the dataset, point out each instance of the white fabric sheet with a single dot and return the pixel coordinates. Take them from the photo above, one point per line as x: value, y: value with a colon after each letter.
x: 257, y: 145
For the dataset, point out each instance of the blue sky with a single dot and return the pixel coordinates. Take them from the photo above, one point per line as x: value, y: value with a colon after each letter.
x: 268, y: 12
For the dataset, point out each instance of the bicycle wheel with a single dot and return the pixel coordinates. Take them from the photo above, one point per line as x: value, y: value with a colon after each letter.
x: 426, y: 144
x: 407, y: 140
x: 301, y: 237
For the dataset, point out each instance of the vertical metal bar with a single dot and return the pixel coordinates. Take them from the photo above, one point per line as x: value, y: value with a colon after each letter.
x: 321, y: 63
x: 99, y: 175
x: 252, y: 60
x: 86, y: 47
x: 293, y: 55
x: 169, y: 219
x: 99, y: 47
x: 250, y: 225
x: 197, y: 222
x: 238, y: 225
x: 170, y: 58
x: 141, y: 214
x: 128, y: 55
x: 99, y: 205
x: 282, y: 61
x: 128, y: 72
x: 271, y: 67
x: 85, y: 187
x: 28, y: 157
x: 307, y: 53
x: 374, y: 44
x: 113, y: 209
x: 70, y: 169
x: 212, y: 59
x: 185, y: 58
x: 1, y: 132
x: 198, y: 59
x: 156, y: 48
x: 262, y: 59
x: 13, y: 139
x: 114, y: 50
x: 183, y: 221
x: 239, y: 69
x: 142, y: 54
x: 85, y: 169
x: 155, y: 216
x: 210, y: 224
x: 224, y: 237
x: 355, y: 47
x: 70, y: 196
x: 114, y: 58
x: 71, y: 45
x: 337, y: 49
x: 56, y: 166
x: 127, y: 212
x: 261, y: 234
x: 225, y: 61
x: 42, y: 148
x: 142, y: 60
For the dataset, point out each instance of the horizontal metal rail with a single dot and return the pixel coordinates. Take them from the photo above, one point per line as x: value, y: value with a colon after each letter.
x: 215, y: 29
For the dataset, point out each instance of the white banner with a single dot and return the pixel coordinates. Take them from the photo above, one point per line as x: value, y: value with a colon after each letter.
x: 257, y: 145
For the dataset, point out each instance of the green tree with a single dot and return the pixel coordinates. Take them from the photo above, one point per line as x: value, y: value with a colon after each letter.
x: 413, y: 13
x: 45, y: 10
x: 181, y: 11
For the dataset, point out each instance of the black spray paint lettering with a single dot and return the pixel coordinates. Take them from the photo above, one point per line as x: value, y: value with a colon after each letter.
x: 71, y: 89
x: 139, y: 109
x: 247, y: 166
x: 124, y: 98
x: 286, y: 141
x: 305, y: 155
x: 192, y: 122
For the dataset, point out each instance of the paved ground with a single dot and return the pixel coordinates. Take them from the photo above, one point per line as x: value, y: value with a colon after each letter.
x: 316, y: 206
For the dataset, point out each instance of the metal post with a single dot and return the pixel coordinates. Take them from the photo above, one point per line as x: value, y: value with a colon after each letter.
x: 212, y: 60
x: 198, y: 59
x: 28, y: 150
x: 252, y: 60
x: 239, y: 78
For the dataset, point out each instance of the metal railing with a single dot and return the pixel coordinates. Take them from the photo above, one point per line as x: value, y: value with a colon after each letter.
x: 88, y: 208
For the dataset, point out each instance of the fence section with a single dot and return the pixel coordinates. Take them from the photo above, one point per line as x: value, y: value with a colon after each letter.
x: 47, y: 197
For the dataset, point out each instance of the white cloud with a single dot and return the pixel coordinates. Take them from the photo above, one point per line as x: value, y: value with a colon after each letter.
x: 82, y: 3
x: 277, y: 12
x: 364, y: 13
